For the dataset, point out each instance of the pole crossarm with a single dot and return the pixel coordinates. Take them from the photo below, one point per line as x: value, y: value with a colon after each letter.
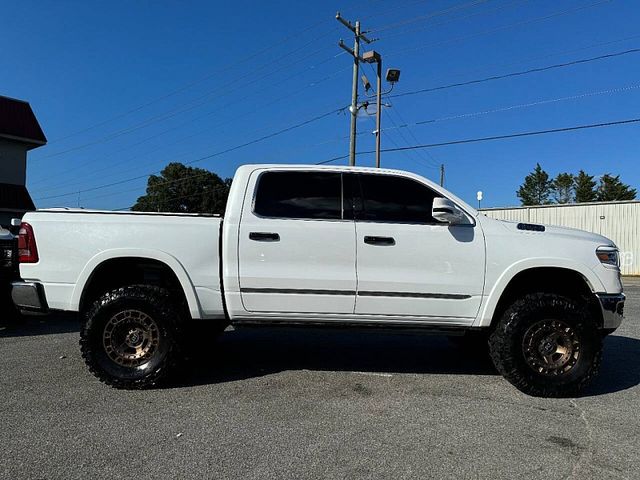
x: 368, y: 57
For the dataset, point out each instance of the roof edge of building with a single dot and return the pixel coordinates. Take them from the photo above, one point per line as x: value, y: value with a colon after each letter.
x: 555, y: 205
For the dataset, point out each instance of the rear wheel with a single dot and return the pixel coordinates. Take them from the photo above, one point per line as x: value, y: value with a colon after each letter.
x: 547, y: 345
x: 129, y: 339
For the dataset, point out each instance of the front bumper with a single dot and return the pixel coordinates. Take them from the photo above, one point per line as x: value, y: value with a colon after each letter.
x: 612, y: 306
x: 29, y: 296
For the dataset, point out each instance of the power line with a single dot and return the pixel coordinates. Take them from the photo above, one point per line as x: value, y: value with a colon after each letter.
x: 222, y: 152
x: 529, y: 59
x: 516, y: 74
x: 227, y: 67
x: 431, y: 161
x: 453, y: 19
x: 199, y: 101
x: 429, y: 16
x: 111, y: 165
x: 300, y: 148
x: 524, y: 105
x: 494, y: 137
x: 503, y: 27
x: 195, y: 82
x: 469, y: 115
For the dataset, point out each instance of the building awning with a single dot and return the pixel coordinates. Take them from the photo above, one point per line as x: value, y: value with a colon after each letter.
x: 18, y: 122
x: 15, y: 198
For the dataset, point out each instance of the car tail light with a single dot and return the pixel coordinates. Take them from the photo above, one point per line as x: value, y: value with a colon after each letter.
x: 27, y: 250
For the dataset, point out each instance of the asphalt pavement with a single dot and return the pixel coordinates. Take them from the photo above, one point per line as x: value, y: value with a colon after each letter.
x: 299, y: 403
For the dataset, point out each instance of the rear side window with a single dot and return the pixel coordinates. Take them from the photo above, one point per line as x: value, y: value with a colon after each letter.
x: 299, y: 195
x: 387, y: 198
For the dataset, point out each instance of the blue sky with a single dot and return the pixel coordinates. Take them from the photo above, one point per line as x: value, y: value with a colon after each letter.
x: 122, y: 88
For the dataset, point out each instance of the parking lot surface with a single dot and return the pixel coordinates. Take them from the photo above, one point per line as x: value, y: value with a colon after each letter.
x: 287, y: 403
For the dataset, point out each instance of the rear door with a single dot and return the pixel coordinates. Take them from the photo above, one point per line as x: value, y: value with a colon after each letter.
x: 297, y: 249
x: 408, y: 263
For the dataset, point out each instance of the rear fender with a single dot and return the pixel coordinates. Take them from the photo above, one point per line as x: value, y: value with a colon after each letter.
x: 160, y: 256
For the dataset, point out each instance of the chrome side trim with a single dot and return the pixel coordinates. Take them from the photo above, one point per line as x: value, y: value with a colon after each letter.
x: 298, y: 291
x: 446, y: 296
x: 302, y: 291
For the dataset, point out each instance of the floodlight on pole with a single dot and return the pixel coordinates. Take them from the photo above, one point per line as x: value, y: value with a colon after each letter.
x: 393, y: 75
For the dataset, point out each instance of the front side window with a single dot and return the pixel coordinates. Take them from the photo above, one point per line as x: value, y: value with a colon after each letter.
x: 299, y: 195
x: 388, y: 198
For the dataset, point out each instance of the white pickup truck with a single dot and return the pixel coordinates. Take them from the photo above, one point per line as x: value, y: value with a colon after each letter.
x: 325, y: 246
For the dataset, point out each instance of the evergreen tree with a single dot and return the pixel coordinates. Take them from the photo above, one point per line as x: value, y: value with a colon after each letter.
x: 536, y: 188
x: 585, y: 187
x: 611, y: 188
x: 563, y: 188
x: 184, y: 189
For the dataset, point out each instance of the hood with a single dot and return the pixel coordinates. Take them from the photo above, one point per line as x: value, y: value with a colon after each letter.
x: 571, y: 234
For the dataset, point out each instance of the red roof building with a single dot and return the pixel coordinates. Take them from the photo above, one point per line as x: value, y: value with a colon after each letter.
x: 19, y: 133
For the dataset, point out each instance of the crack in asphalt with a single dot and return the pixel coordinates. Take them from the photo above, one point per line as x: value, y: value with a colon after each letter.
x: 584, y: 459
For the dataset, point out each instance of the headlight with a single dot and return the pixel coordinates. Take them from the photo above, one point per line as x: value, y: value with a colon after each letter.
x: 608, y: 256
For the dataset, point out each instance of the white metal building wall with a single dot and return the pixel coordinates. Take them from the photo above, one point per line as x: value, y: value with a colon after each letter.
x: 619, y: 221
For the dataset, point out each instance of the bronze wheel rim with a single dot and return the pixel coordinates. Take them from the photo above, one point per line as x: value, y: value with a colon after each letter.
x: 551, y: 347
x: 130, y: 338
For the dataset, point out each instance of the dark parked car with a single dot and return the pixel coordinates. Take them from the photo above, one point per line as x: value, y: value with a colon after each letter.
x: 8, y: 272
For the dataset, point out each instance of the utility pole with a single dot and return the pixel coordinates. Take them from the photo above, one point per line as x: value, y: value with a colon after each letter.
x: 378, y: 109
x: 355, y: 53
x: 442, y: 174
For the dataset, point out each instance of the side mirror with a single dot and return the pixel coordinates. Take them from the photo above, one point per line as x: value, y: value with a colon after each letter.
x: 445, y: 211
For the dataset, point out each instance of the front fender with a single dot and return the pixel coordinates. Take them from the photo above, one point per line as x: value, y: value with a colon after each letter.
x: 169, y: 260
x: 490, y: 302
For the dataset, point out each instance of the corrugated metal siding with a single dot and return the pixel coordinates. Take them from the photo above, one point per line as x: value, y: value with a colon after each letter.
x: 619, y: 221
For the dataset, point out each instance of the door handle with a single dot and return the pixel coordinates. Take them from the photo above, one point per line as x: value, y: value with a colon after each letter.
x: 384, y: 241
x: 264, y: 236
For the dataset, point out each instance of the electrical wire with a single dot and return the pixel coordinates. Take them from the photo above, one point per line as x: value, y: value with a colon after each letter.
x: 222, y: 152
x: 516, y: 74
x: 116, y: 163
x: 476, y: 140
x: 229, y: 66
x: 453, y: 19
x: 189, y: 85
x: 497, y: 29
x: 492, y: 138
x: 429, y: 16
x: 199, y: 101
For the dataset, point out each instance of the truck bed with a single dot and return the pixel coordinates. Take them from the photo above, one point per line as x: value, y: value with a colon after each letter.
x: 80, y: 240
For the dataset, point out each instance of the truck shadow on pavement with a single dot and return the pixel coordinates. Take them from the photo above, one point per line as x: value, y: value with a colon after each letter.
x: 249, y: 353
x: 14, y: 325
x: 620, y: 368
x: 256, y: 352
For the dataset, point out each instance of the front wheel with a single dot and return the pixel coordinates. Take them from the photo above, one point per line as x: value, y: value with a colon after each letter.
x: 129, y: 338
x: 547, y: 345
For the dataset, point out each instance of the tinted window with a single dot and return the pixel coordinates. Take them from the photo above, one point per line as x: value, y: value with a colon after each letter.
x: 395, y: 199
x: 299, y: 195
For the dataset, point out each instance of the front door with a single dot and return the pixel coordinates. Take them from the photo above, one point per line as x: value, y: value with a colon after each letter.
x: 297, y: 248
x: 409, y: 264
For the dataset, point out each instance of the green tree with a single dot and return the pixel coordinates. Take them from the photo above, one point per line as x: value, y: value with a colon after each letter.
x: 536, y: 188
x: 611, y: 188
x: 585, y: 187
x: 563, y: 188
x: 184, y: 189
